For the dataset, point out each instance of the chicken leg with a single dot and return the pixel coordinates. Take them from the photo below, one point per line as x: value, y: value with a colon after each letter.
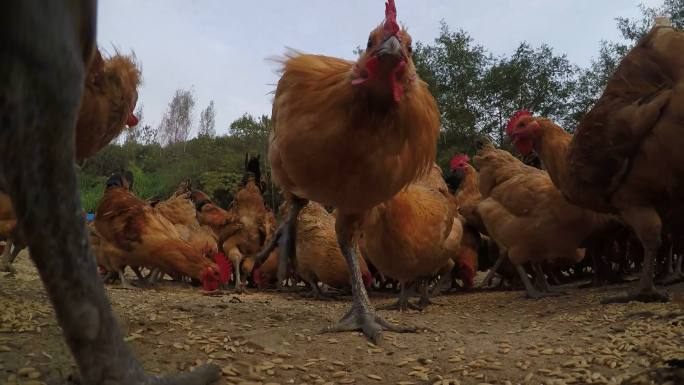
x: 402, y: 303
x: 532, y: 292
x: 647, y: 226
x: 361, y: 316
x: 43, y: 53
x: 487, y: 282
x: 542, y: 282
x: 285, y: 238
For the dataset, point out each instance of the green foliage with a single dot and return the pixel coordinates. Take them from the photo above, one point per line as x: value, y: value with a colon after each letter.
x: 215, y: 165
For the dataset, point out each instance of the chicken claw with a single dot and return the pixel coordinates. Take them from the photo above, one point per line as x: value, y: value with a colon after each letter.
x: 368, y: 322
x: 362, y: 315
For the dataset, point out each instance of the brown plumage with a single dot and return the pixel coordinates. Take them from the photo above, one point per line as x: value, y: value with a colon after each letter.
x: 180, y: 211
x: 8, y: 220
x: 527, y: 215
x: 352, y: 135
x: 249, y: 210
x: 625, y: 156
x: 210, y: 214
x: 468, y: 196
x: 109, y: 97
x: 144, y: 237
x: 406, y: 237
x: 318, y: 256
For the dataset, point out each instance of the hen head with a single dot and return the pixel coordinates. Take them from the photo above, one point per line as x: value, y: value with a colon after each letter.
x: 210, y: 278
x: 522, y: 128
x: 458, y: 171
x: 213, y: 276
x: 385, y: 68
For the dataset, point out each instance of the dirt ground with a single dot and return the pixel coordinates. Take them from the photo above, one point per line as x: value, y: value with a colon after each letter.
x: 267, y: 338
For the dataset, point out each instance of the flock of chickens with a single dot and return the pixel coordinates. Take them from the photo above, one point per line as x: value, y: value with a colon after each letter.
x: 359, y: 137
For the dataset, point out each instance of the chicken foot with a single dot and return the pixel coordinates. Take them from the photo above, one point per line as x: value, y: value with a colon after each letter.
x: 361, y: 316
x: 424, y: 300
x: 44, y: 52
x: 532, y: 292
x: 542, y: 282
x: 402, y: 303
x: 487, y: 282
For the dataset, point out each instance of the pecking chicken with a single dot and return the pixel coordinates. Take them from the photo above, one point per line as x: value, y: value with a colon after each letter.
x: 109, y: 95
x: 46, y: 48
x: 143, y: 237
x: 351, y: 135
x: 406, y: 237
x: 625, y: 156
x: 527, y: 216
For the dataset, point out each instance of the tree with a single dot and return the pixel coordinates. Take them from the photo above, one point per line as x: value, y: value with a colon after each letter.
x: 253, y: 132
x: 207, y: 122
x: 453, y: 68
x: 534, y: 79
x: 177, y: 120
x: 148, y: 134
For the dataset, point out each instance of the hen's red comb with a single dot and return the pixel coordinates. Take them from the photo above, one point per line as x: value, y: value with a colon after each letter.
x: 458, y: 160
x: 514, y: 120
x: 391, y: 27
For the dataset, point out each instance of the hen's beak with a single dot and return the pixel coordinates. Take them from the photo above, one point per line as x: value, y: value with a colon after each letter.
x: 391, y: 47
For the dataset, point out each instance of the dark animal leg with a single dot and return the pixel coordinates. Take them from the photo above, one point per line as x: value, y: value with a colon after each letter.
x: 676, y: 276
x: 44, y: 48
x: 486, y: 283
x: 424, y: 300
x: 445, y: 284
x: 402, y: 303
x: 287, y: 240
x: 532, y: 292
x: 673, y: 275
x: 124, y: 282
x: 110, y: 277
x: 647, y: 226
x: 316, y: 292
x: 543, y: 284
x: 362, y: 315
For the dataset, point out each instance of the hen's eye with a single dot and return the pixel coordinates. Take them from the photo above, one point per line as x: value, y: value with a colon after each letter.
x: 370, y: 43
x: 410, y: 48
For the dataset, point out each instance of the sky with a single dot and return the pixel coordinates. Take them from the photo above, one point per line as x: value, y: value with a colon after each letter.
x: 221, y: 48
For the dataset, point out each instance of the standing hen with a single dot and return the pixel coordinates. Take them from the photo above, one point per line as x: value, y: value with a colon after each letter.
x: 625, y: 156
x: 405, y: 238
x: 351, y: 135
